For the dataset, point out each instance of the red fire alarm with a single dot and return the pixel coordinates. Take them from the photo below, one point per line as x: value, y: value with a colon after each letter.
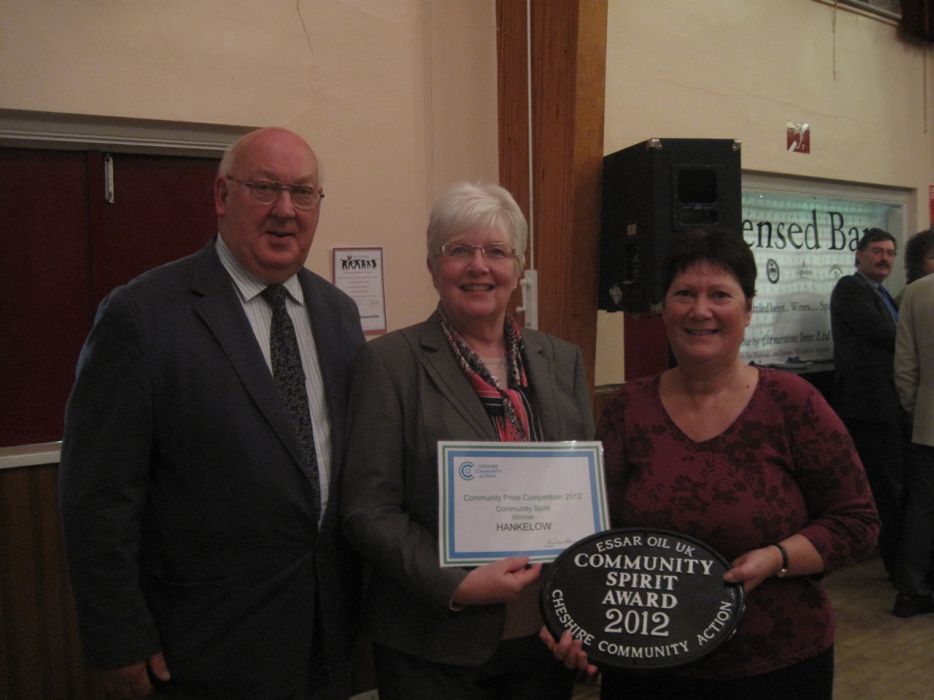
x: 798, y: 137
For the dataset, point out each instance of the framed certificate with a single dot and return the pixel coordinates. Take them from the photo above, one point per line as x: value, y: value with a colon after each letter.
x: 502, y: 499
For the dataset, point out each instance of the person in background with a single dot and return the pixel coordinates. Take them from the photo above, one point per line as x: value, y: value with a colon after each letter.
x: 862, y: 323
x: 914, y: 380
x: 201, y: 451
x: 750, y: 460
x: 469, y: 372
x: 919, y: 259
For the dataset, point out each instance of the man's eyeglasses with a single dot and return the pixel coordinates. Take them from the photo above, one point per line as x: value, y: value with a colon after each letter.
x: 268, y: 192
x: 493, y: 252
x: 887, y: 252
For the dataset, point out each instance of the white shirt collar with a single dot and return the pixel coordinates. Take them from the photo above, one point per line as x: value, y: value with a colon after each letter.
x: 247, y: 285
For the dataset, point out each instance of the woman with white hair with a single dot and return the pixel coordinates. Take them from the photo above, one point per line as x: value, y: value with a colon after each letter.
x: 467, y: 373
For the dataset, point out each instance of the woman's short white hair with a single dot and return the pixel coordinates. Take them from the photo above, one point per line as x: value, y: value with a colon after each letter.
x: 464, y: 206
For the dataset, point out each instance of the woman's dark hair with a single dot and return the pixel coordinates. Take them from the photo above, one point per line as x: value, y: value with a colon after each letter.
x: 717, y: 247
x: 917, y: 249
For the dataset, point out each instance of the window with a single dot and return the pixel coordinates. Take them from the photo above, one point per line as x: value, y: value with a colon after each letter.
x: 890, y: 9
x: 803, y: 234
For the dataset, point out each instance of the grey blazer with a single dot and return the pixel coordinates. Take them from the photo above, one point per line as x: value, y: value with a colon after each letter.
x: 914, y: 358
x: 408, y: 393
x: 188, y: 521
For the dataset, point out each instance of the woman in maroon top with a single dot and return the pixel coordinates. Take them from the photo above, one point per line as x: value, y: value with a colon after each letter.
x: 751, y: 461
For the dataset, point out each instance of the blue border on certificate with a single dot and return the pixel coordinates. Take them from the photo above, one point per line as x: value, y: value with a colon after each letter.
x: 449, y: 452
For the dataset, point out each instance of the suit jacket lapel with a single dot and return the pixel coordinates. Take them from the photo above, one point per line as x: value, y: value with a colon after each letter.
x: 541, y: 372
x: 447, y: 374
x: 219, y: 307
x: 877, y: 299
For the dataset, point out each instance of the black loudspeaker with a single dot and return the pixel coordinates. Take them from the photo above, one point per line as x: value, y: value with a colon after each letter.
x: 651, y: 192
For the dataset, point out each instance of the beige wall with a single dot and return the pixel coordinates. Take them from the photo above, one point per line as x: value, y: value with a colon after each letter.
x: 398, y: 97
x: 727, y: 69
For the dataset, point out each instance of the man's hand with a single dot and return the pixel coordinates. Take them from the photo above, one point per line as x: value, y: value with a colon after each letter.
x: 128, y: 681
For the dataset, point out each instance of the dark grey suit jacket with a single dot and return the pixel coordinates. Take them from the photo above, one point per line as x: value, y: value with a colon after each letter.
x: 188, y: 522
x: 408, y: 393
x: 863, y: 333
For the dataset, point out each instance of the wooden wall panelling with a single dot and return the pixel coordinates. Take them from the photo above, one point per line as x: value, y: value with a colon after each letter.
x: 40, y: 650
x: 568, y: 40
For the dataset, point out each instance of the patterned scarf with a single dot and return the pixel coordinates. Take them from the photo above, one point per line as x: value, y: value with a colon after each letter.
x: 510, y: 408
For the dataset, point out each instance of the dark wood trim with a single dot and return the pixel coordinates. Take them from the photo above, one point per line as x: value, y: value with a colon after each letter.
x: 568, y: 39
x: 40, y: 650
x: 512, y: 87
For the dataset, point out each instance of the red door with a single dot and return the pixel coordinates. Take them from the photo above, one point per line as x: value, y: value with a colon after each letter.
x: 63, y: 247
x: 162, y: 209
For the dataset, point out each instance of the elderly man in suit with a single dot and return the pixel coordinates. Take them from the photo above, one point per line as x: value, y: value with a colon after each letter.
x: 862, y: 321
x: 201, y: 452
x: 914, y: 380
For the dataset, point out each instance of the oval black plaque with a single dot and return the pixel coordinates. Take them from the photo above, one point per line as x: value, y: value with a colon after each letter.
x: 642, y: 599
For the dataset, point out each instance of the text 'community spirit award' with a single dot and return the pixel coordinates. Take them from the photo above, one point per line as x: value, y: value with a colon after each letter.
x: 504, y: 499
x: 642, y: 599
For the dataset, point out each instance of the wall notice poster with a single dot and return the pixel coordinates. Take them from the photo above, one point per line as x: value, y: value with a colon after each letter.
x: 803, y: 243
x: 359, y: 272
